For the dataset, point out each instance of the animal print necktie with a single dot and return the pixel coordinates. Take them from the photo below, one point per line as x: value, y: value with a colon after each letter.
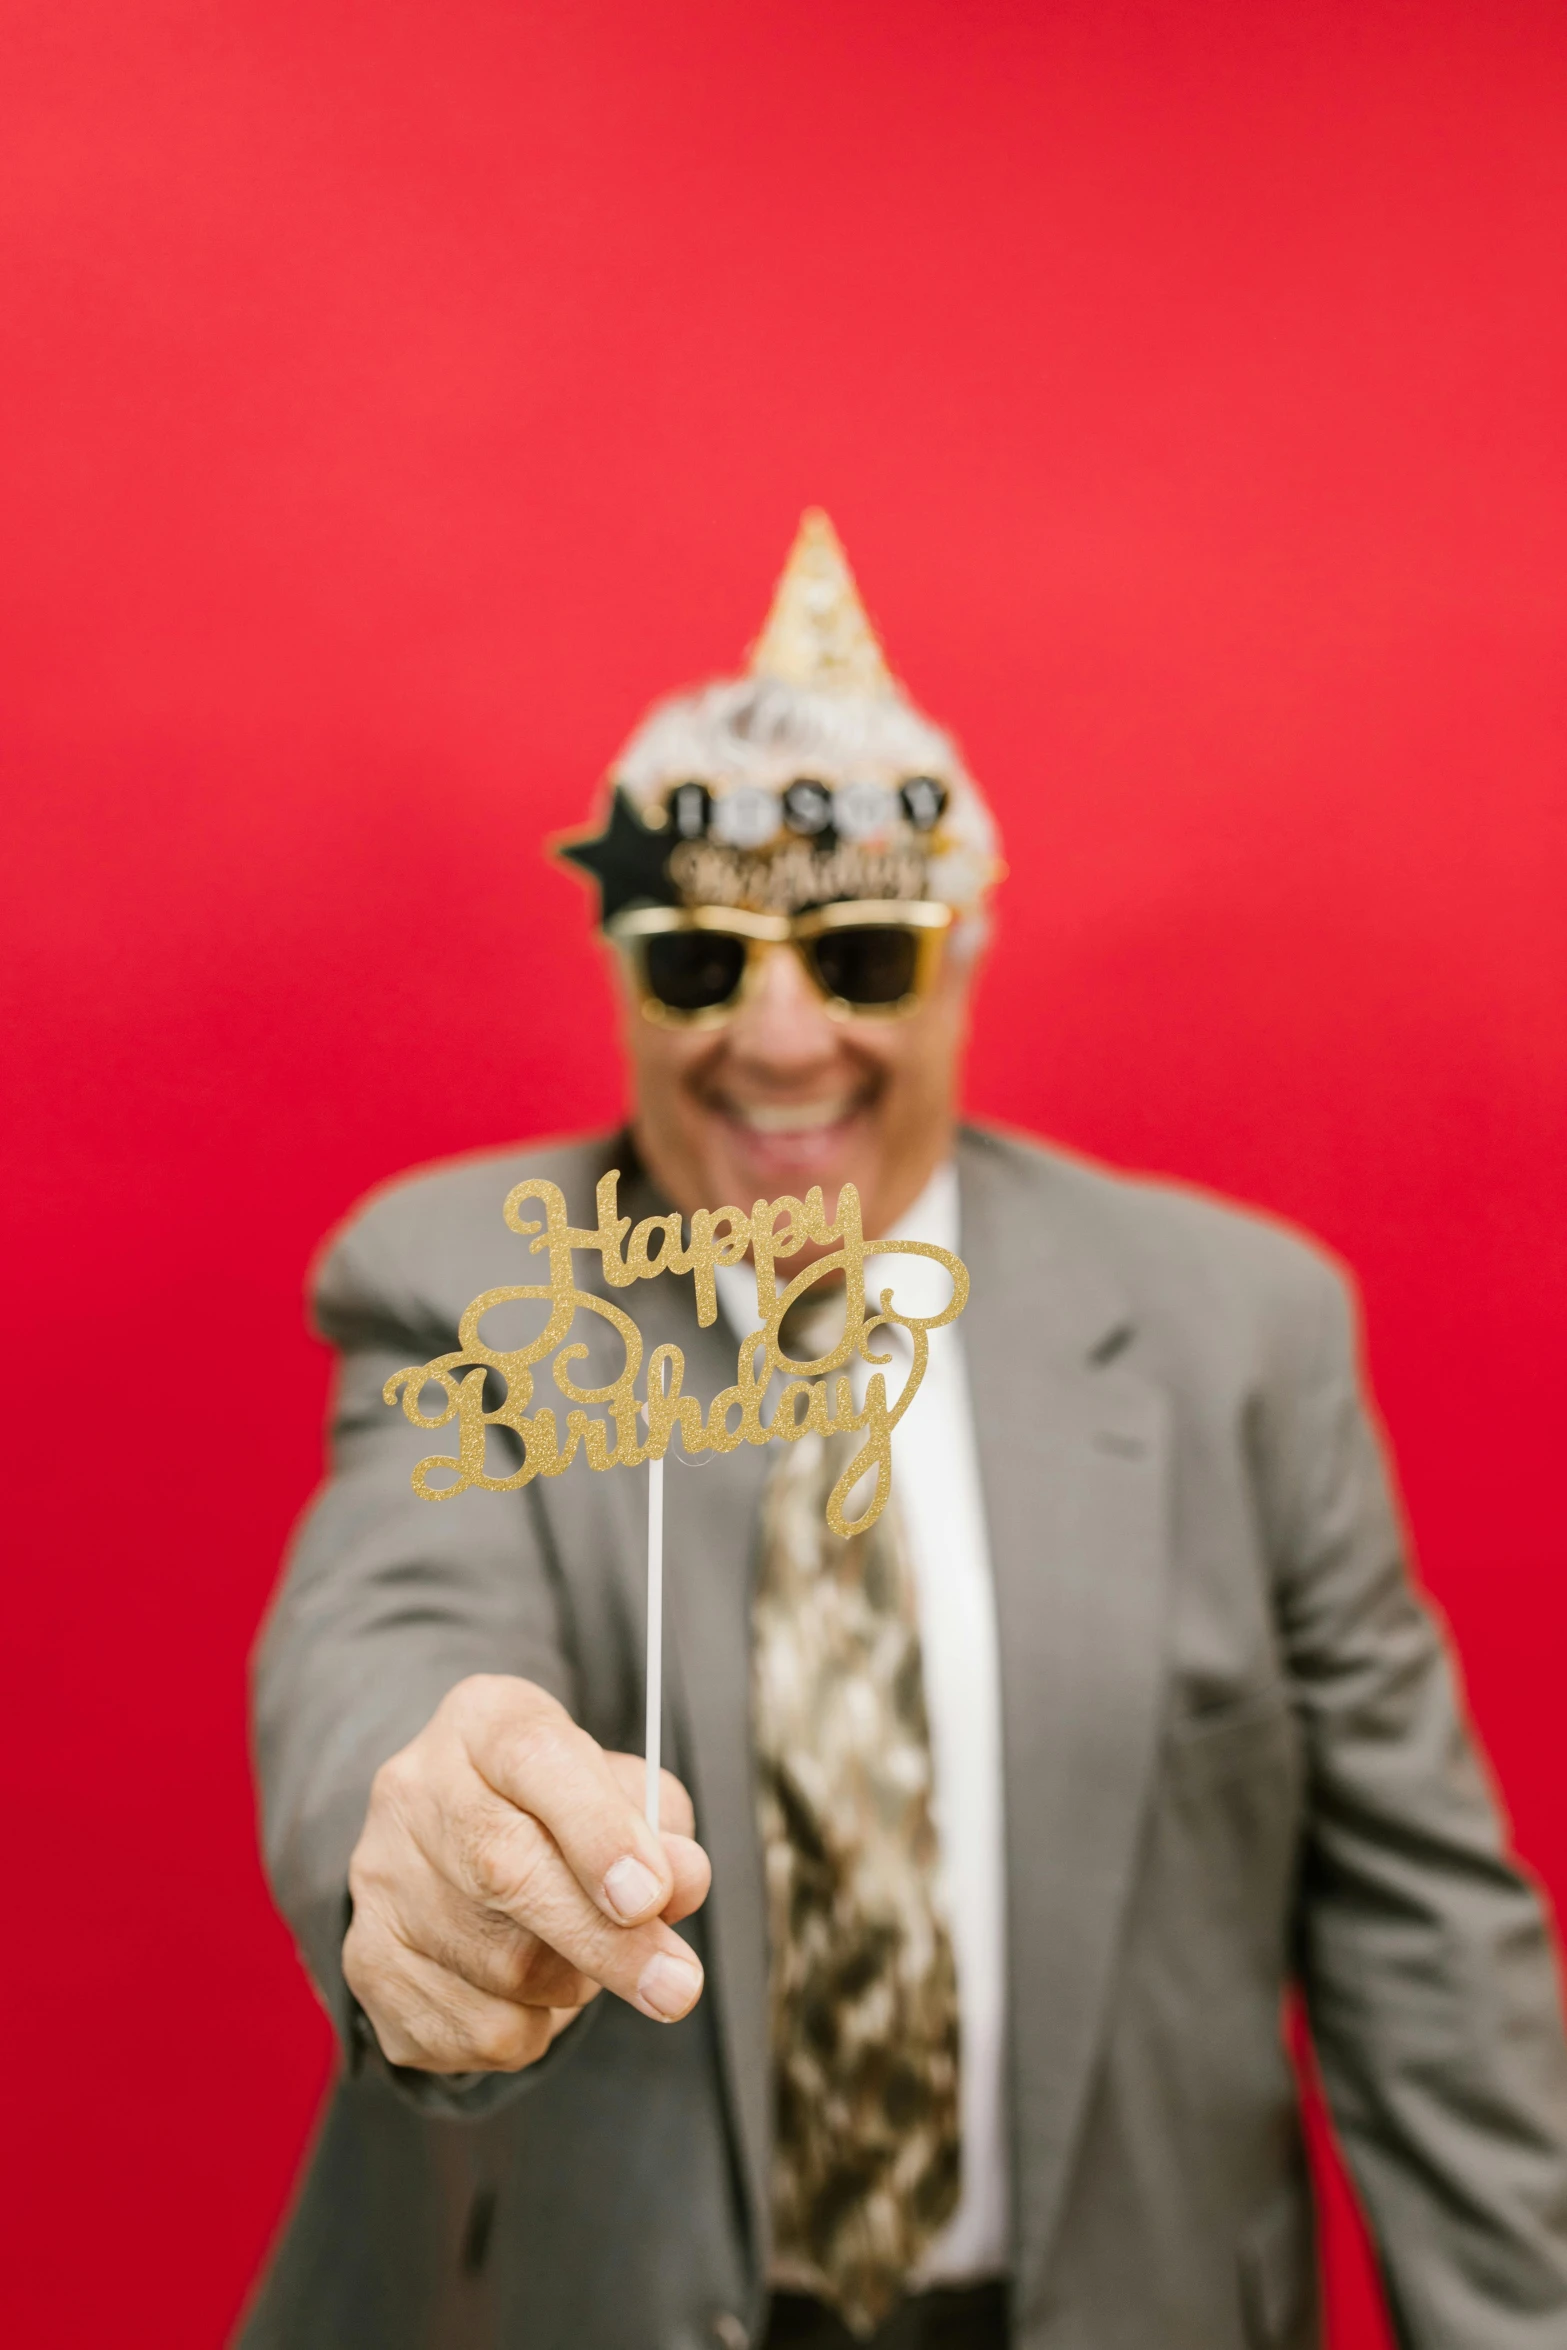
x: 863, y: 1988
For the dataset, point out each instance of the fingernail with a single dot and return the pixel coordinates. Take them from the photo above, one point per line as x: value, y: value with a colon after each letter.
x: 668, y: 1986
x: 630, y: 1888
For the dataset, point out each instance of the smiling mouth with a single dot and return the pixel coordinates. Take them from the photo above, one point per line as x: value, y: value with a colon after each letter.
x: 786, y: 1122
x: 792, y: 1117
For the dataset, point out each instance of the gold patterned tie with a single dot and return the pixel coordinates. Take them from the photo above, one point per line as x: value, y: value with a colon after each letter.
x: 863, y: 1988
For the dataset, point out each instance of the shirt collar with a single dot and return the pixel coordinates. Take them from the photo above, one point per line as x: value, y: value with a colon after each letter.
x: 933, y: 1217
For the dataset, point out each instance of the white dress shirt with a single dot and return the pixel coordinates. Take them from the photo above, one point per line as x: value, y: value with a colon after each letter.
x: 936, y: 1481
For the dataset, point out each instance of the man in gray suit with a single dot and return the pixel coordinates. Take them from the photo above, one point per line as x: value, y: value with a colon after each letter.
x: 1023, y: 1812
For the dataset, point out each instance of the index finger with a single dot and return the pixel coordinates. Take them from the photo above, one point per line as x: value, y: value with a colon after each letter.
x: 525, y: 1745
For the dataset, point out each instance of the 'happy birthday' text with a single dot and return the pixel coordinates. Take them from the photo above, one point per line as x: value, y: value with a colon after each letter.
x: 818, y: 1396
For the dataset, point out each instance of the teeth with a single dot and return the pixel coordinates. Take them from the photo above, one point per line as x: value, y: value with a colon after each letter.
x: 792, y: 1117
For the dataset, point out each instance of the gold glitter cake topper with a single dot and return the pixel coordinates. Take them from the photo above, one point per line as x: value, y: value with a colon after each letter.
x: 818, y: 1396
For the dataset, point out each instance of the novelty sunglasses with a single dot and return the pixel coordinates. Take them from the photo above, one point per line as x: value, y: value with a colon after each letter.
x: 867, y: 957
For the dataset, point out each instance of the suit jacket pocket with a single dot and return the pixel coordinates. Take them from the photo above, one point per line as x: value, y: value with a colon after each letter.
x: 1278, y: 2273
x: 1224, y: 1741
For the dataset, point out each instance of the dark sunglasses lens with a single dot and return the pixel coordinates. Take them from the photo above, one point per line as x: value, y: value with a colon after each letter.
x: 693, y: 970
x: 873, y: 966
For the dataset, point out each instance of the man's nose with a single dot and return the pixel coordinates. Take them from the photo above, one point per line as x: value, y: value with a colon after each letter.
x: 783, y: 1025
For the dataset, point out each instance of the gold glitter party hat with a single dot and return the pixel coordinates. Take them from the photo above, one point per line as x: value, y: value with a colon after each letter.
x: 817, y: 633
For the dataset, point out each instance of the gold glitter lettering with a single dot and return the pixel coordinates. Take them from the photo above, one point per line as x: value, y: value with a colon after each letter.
x: 817, y: 1396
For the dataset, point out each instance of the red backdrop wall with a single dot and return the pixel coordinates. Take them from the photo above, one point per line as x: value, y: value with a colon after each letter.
x: 394, y: 400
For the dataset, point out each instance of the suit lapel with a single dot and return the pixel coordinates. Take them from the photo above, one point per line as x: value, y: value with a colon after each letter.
x: 1073, y: 1451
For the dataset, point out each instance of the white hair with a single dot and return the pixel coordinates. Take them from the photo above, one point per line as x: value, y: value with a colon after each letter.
x: 747, y: 728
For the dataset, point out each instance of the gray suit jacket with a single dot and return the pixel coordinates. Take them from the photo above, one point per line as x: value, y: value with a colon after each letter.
x: 1235, y: 1760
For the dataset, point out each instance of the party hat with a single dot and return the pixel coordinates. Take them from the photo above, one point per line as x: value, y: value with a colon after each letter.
x: 817, y: 633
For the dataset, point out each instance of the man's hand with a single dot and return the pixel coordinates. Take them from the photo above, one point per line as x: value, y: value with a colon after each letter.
x: 505, y: 1875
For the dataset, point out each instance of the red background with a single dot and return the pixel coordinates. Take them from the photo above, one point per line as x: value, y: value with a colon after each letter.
x: 395, y: 398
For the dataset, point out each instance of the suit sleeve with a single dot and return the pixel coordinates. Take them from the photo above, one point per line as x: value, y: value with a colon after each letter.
x: 1425, y: 1953
x: 386, y: 1603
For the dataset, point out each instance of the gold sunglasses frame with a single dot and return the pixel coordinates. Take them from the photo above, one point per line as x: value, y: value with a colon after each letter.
x: 929, y: 921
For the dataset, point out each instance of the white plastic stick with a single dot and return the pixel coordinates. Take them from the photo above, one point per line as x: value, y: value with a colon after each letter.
x: 655, y: 1633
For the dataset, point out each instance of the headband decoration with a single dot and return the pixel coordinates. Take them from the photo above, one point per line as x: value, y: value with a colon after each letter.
x: 809, y: 840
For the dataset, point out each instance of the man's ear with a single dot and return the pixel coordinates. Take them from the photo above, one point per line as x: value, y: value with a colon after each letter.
x: 969, y: 938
